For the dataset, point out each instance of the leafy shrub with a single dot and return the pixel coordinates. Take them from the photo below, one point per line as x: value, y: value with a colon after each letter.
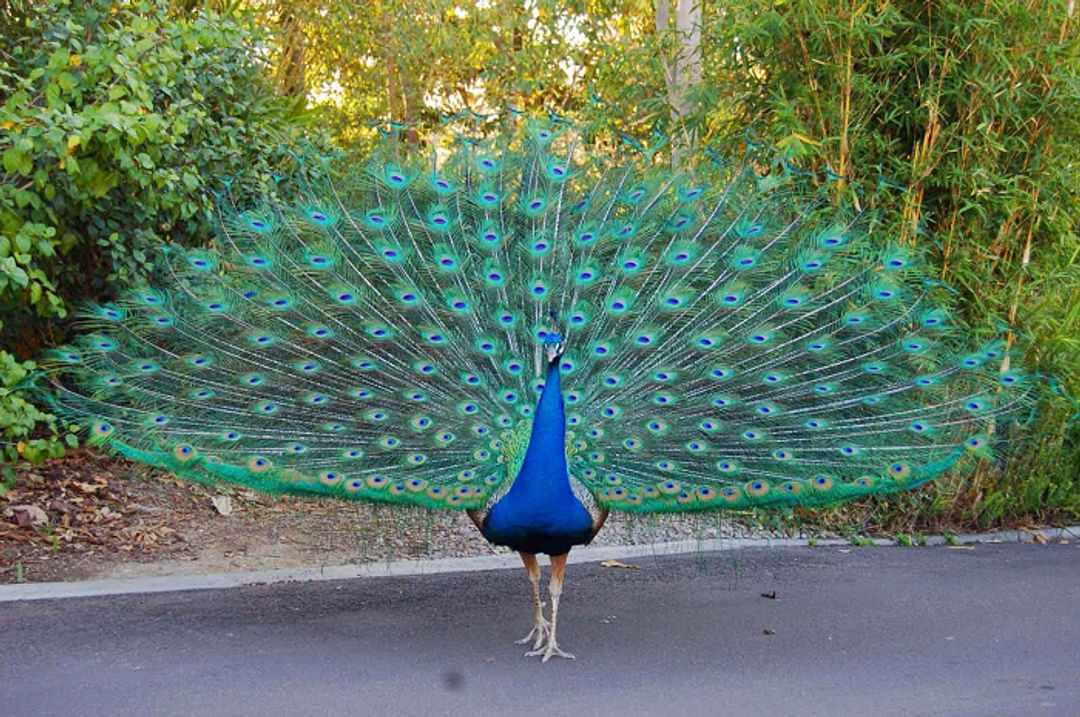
x: 117, y: 120
x: 18, y: 420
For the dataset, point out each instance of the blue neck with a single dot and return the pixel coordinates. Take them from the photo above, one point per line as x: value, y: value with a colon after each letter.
x: 540, y: 514
x: 543, y: 469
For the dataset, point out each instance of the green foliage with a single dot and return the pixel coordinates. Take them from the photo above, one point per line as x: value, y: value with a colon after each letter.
x: 18, y: 419
x: 409, y: 60
x: 904, y: 540
x: 116, y: 118
x: 974, y: 107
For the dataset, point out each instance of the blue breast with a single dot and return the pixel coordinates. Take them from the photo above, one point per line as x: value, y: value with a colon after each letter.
x: 540, y: 514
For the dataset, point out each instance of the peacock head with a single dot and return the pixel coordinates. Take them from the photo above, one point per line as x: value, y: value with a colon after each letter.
x: 553, y: 346
x: 553, y: 342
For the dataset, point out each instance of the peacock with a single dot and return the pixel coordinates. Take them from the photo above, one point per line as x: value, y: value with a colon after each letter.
x: 538, y: 329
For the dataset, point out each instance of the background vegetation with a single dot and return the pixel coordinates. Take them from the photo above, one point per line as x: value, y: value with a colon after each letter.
x: 116, y: 121
x: 118, y: 116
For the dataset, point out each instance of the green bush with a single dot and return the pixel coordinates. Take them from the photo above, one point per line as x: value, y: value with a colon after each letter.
x: 19, y: 422
x: 117, y: 120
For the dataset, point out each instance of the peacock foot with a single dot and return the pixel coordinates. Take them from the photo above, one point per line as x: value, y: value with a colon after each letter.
x: 548, y: 652
x: 540, y: 630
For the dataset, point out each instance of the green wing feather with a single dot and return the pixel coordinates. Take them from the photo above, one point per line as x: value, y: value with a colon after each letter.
x: 733, y: 339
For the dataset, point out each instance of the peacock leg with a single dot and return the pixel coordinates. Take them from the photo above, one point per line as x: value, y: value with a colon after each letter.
x: 558, y: 569
x: 540, y: 625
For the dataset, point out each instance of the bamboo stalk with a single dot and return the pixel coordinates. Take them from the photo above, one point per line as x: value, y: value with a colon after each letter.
x: 845, y: 115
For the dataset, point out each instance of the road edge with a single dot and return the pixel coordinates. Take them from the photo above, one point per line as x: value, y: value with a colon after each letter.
x: 399, y: 568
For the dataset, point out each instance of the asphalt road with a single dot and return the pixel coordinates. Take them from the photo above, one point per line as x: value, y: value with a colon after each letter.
x: 994, y: 630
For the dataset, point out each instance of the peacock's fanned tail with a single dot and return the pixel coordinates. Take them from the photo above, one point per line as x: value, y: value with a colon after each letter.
x: 733, y: 338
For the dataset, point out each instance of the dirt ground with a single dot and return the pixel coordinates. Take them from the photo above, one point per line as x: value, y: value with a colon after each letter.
x: 91, y: 516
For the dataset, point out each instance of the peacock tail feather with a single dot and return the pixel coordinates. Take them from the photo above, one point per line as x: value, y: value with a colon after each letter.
x: 733, y: 337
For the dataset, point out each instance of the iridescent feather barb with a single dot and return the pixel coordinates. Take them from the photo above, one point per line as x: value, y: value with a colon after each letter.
x: 732, y: 339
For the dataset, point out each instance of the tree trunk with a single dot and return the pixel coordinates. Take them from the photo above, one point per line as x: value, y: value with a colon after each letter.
x: 292, y: 80
x: 402, y: 100
x: 684, y: 70
x: 688, y: 61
